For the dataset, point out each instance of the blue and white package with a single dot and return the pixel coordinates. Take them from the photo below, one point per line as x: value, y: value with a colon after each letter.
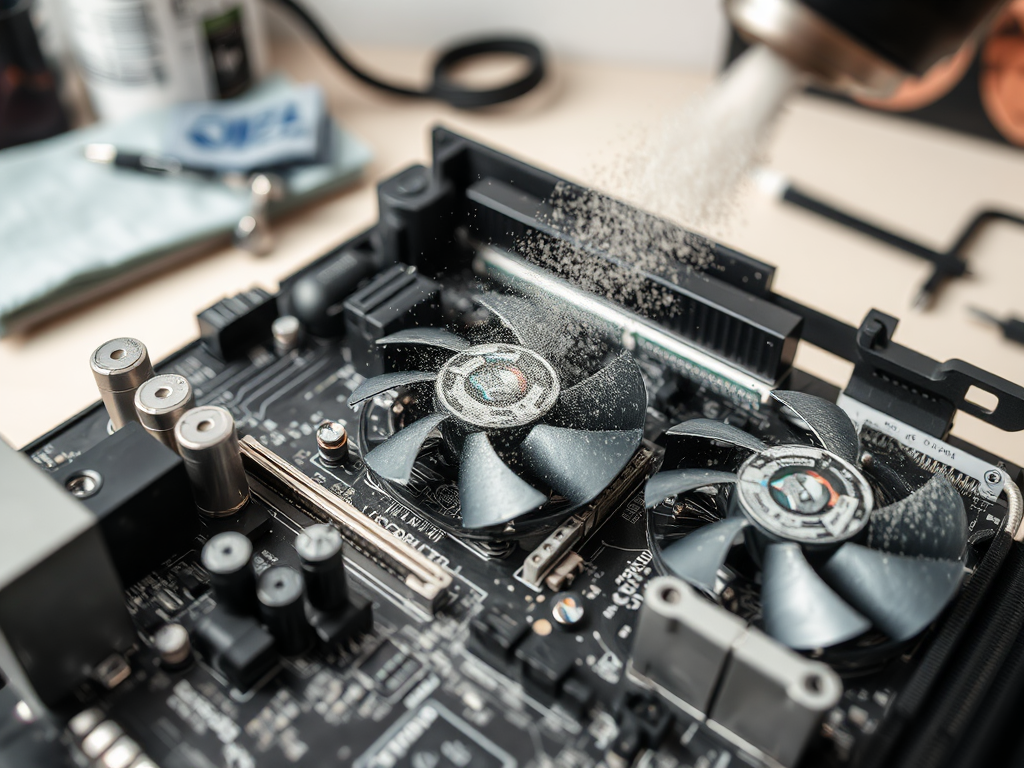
x: 272, y: 131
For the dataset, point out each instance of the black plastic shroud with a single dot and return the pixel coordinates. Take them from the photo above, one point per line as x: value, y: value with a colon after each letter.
x: 495, y: 199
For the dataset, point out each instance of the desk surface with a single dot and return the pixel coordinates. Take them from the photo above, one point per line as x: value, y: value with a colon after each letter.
x: 921, y: 181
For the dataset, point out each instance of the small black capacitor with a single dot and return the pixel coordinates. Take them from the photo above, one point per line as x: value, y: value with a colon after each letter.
x: 226, y: 557
x: 323, y: 568
x: 283, y: 611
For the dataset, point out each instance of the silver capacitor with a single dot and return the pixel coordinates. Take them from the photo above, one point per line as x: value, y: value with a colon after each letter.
x: 120, y: 366
x: 209, y: 445
x: 160, y: 402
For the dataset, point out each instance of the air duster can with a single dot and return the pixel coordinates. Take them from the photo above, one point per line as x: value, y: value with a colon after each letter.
x: 138, y: 54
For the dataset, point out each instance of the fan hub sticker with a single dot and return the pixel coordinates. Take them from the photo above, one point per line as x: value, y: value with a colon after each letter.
x: 804, y: 494
x: 496, y: 386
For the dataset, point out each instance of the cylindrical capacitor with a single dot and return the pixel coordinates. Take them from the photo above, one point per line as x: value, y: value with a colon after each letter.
x: 120, y: 366
x: 287, y: 333
x: 160, y: 402
x: 332, y: 443
x: 323, y: 568
x: 172, y: 642
x: 226, y: 558
x: 283, y: 609
x: 207, y: 442
x: 316, y: 296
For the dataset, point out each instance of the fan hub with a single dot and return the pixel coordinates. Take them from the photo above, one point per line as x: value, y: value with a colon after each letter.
x: 497, y: 386
x: 804, y: 494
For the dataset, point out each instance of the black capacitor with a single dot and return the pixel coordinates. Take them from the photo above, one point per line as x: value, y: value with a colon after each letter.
x: 317, y: 297
x: 283, y: 611
x: 226, y: 557
x: 323, y: 568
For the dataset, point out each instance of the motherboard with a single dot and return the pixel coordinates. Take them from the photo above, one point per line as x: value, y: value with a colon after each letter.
x: 440, y: 502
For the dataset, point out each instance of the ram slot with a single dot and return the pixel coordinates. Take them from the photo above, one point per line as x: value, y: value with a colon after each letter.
x: 641, y: 336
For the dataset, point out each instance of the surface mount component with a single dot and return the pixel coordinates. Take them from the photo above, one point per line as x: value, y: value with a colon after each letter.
x: 62, y: 610
x: 402, y: 568
x: 209, y: 445
x: 120, y: 366
x: 802, y: 511
x: 236, y: 646
x: 138, y: 490
x: 160, y: 402
x: 710, y: 664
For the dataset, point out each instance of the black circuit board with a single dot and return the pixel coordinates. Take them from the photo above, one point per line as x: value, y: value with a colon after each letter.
x: 412, y: 693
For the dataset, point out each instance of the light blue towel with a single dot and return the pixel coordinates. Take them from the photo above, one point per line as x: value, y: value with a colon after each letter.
x: 68, y: 225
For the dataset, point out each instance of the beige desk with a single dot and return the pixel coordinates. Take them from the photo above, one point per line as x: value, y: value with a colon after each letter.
x: 925, y: 182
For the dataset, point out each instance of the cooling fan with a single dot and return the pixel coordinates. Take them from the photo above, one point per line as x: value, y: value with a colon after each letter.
x: 516, y: 428
x: 832, y: 565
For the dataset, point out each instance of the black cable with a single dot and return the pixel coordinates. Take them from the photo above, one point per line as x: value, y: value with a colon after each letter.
x: 444, y: 87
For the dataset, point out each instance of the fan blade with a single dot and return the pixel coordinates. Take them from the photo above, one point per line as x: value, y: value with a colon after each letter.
x: 613, y: 398
x: 393, y: 459
x: 577, y: 463
x: 384, y: 382
x: 826, y: 420
x: 930, y: 522
x: 901, y: 595
x: 489, y: 491
x: 428, y: 337
x: 675, y: 481
x: 717, y: 430
x: 800, y: 610
x: 697, y: 557
x: 520, y: 318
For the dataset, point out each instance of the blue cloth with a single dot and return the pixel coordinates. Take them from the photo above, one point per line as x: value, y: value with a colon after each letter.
x: 67, y: 225
x: 271, y: 129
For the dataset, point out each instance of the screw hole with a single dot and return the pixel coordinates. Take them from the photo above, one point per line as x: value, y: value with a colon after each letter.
x: 813, y: 683
x: 671, y: 595
x: 117, y: 354
x: 205, y: 425
x: 163, y: 393
x: 83, y: 484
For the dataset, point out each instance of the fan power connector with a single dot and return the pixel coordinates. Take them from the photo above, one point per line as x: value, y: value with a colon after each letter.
x: 743, y: 684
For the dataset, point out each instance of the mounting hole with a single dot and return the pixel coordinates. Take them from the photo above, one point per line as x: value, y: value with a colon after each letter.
x: 985, y: 401
x: 84, y: 483
x: 163, y: 393
x: 205, y: 425
x: 814, y: 683
x: 117, y: 354
x: 671, y: 595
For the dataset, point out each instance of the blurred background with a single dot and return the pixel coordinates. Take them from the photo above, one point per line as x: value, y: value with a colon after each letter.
x: 91, y: 248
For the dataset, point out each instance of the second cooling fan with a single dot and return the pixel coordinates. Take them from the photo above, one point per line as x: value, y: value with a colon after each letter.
x: 519, y: 427
x: 832, y: 565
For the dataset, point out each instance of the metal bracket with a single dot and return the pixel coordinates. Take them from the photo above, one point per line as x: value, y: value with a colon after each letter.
x: 949, y: 381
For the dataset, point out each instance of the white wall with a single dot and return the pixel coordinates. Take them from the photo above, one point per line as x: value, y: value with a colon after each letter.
x: 684, y: 33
